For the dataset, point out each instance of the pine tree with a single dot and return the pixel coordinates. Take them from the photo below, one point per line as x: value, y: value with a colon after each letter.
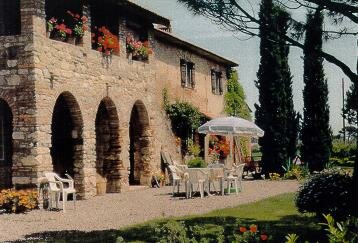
x: 316, y: 132
x: 274, y: 84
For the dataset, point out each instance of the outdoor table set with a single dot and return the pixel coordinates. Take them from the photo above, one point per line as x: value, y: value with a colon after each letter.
x: 205, y: 178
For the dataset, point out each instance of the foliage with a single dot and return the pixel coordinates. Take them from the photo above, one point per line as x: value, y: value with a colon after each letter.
x: 78, y: 24
x: 316, y: 133
x: 275, y: 114
x: 206, y: 233
x: 70, y: 24
x: 235, y: 98
x: 250, y: 235
x: 219, y: 147
x: 326, y: 192
x: 104, y: 41
x: 185, y: 118
x: 138, y: 48
x: 291, y: 238
x: 193, y: 148
x: 343, y: 153
x: 18, y: 201
x: 196, y: 162
x: 351, y: 107
x: 295, y: 171
x: 172, y: 232
x: 274, y: 176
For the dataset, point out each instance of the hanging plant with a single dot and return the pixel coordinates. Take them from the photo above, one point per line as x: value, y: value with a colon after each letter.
x: 104, y: 41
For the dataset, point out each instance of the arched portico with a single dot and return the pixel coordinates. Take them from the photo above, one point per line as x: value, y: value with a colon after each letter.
x: 140, y: 141
x: 67, y: 140
x: 6, y: 145
x: 107, y: 148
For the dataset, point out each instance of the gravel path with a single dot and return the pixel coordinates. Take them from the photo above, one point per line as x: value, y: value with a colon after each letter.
x: 113, y: 211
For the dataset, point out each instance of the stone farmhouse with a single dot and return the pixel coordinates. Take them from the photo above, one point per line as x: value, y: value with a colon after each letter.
x: 97, y: 115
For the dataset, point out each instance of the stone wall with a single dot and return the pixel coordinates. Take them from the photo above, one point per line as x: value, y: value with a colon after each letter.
x: 17, y: 90
x: 168, y: 75
x: 45, y: 70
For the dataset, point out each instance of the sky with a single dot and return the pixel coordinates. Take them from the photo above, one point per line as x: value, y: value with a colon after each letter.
x: 201, y: 31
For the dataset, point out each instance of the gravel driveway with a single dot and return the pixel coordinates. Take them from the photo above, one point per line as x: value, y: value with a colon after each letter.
x: 113, y: 211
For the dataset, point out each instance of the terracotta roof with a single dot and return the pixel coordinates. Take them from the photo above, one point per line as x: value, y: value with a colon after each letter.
x: 169, y: 37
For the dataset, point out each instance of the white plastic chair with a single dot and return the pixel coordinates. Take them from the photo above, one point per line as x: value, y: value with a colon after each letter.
x: 176, y: 178
x: 196, y: 176
x: 57, y: 186
x: 235, y: 177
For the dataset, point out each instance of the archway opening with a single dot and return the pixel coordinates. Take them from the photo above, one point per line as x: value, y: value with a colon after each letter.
x: 139, y: 151
x: 67, y: 141
x: 107, y: 148
x: 5, y: 145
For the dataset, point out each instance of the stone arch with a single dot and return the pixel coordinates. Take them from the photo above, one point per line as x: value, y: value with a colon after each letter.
x: 67, y: 140
x: 108, y: 148
x: 140, y: 141
x: 6, y: 144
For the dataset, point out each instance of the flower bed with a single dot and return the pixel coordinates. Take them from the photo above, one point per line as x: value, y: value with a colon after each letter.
x: 18, y: 201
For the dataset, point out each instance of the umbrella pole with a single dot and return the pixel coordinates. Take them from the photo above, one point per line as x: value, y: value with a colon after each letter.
x: 231, y: 150
x: 206, y: 148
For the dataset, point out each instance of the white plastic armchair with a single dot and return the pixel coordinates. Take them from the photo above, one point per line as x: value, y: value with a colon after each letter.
x: 175, y: 177
x: 60, y: 185
x: 196, y: 176
x: 235, y: 176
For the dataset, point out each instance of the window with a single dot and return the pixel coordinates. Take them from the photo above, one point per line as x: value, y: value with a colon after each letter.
x: 10, y: 20
x: 187, y: 74
x: 216, y: 82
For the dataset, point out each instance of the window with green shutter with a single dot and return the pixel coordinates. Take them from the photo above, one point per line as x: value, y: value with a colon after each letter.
x: 216, y: 82
x: 187, y: 70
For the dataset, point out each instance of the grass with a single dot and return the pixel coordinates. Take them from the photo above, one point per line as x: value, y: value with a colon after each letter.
x: 276, y: 215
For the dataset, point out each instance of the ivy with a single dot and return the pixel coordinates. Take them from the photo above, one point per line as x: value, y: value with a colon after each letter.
x: 185, y: 118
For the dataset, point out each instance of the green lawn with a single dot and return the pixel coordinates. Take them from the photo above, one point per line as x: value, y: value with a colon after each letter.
x: 277, y: 216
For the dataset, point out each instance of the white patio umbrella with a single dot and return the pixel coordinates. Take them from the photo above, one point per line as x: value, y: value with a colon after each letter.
x: 231, y: 127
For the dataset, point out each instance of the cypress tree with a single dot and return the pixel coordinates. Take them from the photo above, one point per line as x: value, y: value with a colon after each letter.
x: 292, y: 117
x: 316, y: 132
x: 274, y: 84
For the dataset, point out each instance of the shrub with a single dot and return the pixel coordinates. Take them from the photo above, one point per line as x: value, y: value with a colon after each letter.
x: 326, y: 193
x: 172, y: 232
x: 193, y: 148
x: 18, y: 201
x: 343, y: 154
x: 207, y: 233
x: 197, y: 162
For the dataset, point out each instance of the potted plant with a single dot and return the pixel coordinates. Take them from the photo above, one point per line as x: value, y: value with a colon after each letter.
x: 61, y: 32
x: 106, y: 42
x: 137, y: 49
x: 79, y: 26
x: 50, y: 25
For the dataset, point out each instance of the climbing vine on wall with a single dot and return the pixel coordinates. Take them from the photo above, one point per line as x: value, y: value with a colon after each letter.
x: 185, y: 118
